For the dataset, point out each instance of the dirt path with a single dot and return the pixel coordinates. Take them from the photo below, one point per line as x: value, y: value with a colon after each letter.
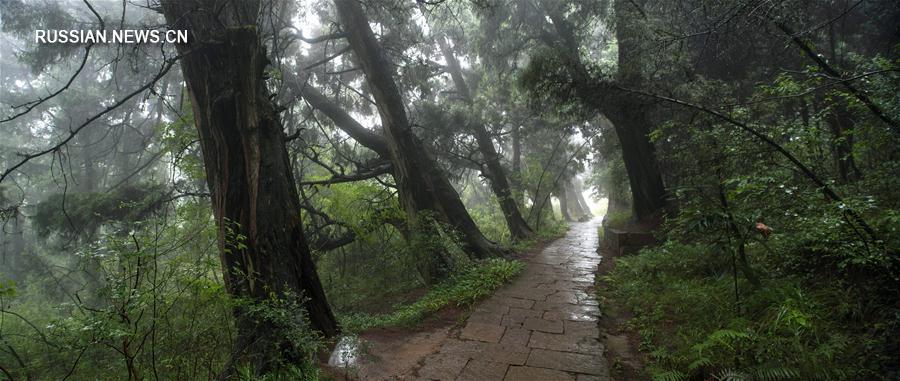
x: 542, y: 326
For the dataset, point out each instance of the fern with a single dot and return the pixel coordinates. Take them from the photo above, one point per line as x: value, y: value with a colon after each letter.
x: 731, y: 375
x: 775, y: 374
x: 669, y: 375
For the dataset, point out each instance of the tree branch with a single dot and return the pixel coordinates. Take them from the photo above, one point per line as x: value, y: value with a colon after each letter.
x: 28, y: 157
x: 823, y: 186
x: 807, y: 49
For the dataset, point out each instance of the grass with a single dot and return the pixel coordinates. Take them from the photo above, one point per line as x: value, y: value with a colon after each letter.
x: 691, y: 326
x: 461, y: 290
x: 549, y: 232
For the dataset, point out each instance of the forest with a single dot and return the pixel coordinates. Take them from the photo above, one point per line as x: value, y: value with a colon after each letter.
x: 577, y: 190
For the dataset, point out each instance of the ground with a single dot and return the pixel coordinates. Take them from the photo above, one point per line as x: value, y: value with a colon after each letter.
x: 545, y: 325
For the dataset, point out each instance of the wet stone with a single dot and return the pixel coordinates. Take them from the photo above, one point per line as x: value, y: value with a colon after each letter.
x: 490, y: 333
x: 516, y: 337
x: 485, y: 317
x: 571, y: 362
x: 508, y: 354
x: 566, y: 343
x: 542, y: 325
x: 478, y: 370
x: 523, y: 313
x: 591, y: 377
x: 582, y: 328
x: 563, y: 297
x: 552, y: 315
x: 512, y: 321
x: 527, y: 373
x: 493, y: 306
x: 439, y: 367
x: 514, y: 302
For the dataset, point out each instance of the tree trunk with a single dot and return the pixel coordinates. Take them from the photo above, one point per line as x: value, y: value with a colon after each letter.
x: 422, y: 185
x: 647, y: 190
x: 12, y: 258
x: 842, y: 143
x: 263, y: 250
x: 563, y: 203
x: 574, y: 204
x: 516, y: 175
x: 495, y: 173
x: 629, y: 117
x: 578, y: 187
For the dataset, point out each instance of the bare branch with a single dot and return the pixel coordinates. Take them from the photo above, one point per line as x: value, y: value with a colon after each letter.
x: 28, y: 157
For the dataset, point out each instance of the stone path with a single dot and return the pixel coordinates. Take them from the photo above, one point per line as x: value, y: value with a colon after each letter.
x: 543, y: 326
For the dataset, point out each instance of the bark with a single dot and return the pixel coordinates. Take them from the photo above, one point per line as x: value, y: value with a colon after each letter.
x: 13, y: 250
x: 631, y: 122
x: 88, y: 181
x: 421, y: 184
x: 564, y: 204
x: 262, y: 246
x: 578, y: 187
x: 496, y: 174
x: 344, y: 121
x: 516, y: 175
x: 493, y: 170
x: 639, y: 155
x: 576, y: 209
x: 379, y: 145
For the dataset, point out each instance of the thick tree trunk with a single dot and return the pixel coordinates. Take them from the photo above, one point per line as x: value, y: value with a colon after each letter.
x: 647, y: 191
x: 12, y: 258
x: 422, y: 185
x: 256, y: 206
x: 629, y: 117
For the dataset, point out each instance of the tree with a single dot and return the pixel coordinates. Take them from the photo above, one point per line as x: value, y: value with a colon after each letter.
x: 493, y: 170
x: 422, y: 185
x: 560, y: 73
x: 263, y: 249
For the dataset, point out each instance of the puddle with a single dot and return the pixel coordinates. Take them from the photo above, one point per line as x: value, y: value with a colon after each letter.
x: 346, y: 353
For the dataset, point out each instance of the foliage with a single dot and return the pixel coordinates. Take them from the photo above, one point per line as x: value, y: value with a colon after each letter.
x: 158, y: 297
x: 286, y: 315
x: 305, y: 372
x: 692, y: 328
x: 460, y: 290
x: 82, y: 213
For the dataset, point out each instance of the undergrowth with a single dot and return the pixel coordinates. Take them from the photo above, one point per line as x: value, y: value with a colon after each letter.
x: 461, y: 290
x: 693, y: 327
